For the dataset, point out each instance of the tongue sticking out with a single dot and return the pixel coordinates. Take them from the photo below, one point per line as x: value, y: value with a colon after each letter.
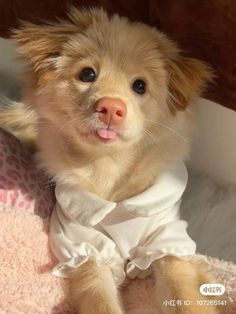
x: 106, y: 134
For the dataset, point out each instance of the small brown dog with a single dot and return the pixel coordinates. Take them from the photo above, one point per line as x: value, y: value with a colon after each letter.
x: 110, y: 104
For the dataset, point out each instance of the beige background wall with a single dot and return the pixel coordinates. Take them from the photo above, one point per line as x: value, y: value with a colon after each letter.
x: 214, y: 149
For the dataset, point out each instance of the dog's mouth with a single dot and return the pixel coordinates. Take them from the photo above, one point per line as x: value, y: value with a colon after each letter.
x: 101, y: 134
x: 107, y: 134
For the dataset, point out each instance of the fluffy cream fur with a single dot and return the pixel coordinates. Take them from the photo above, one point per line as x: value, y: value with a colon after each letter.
x: 156, y: 132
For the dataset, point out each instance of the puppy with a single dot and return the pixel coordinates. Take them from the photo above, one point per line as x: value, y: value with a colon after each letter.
x: 111, y: 106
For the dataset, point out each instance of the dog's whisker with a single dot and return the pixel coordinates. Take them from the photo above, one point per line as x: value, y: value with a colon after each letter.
x: 169, y: 128
x: 68, y: 123
x: 174, y: 131
x: 156, y: 141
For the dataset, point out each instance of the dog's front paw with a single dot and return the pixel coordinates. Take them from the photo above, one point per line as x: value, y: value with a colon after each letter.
x: 178, y: 287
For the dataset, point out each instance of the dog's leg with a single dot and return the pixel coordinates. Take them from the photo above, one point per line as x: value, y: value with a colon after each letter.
x: 93, y: 290
x: 177, y: 279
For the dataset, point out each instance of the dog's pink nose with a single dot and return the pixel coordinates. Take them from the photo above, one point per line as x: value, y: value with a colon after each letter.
x: 111, y: 111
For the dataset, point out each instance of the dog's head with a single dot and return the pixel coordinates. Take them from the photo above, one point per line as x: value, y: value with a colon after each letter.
x: 106, y: 81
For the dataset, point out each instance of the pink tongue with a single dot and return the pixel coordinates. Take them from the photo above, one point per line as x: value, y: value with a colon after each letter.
x: 106, y: 134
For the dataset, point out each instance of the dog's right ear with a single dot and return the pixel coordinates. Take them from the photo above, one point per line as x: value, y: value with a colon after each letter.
x: 39, y: 45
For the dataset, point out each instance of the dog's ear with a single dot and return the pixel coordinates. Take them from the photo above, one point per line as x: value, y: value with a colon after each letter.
x: 41, y: 45
x: 188, y: 78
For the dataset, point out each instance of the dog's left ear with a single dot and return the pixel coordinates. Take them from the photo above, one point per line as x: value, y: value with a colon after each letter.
x: 188, y: 78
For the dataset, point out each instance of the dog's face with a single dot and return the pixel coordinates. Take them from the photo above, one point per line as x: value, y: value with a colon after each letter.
x: 105, y: 81
x: 115, y: 82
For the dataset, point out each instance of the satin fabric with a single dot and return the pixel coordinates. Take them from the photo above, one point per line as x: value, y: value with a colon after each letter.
x: 127, y: 236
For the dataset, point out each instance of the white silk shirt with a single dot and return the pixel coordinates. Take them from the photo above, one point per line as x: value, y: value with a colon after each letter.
x: 127, y: 236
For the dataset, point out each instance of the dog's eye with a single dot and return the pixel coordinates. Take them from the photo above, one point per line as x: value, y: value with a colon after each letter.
x: 87, y: 75
x: 139, y: 86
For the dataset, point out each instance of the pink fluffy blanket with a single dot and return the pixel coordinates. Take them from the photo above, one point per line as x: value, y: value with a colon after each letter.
x: 27, y: 286
x: 26, y: 282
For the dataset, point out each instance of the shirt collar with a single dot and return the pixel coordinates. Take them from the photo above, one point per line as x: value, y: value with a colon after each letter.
x: 87, y: 208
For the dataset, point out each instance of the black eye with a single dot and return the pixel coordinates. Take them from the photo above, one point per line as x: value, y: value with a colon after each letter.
x: 139, y: 86
x: 87, y: 75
